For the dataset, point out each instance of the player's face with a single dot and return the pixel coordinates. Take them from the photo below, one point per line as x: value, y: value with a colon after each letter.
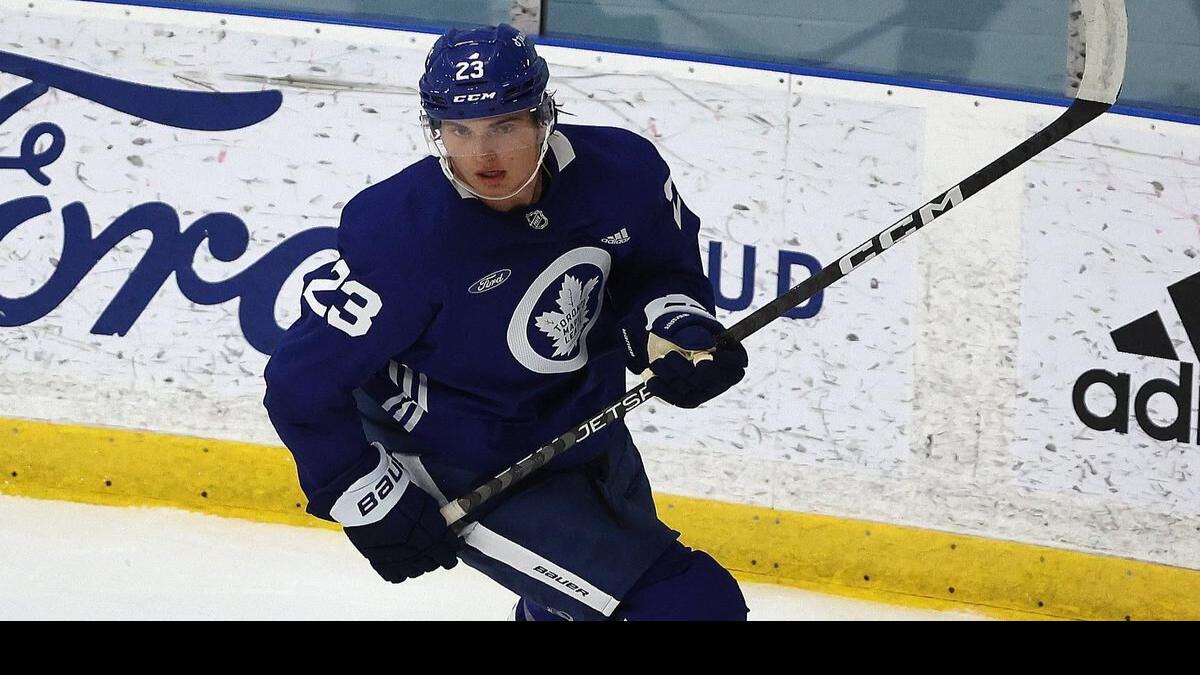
x: 494, y: 155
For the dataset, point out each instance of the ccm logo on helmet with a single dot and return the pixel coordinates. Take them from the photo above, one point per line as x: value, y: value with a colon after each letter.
x: 474, y: 97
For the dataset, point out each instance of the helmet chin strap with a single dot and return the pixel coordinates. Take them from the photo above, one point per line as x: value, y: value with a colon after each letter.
x: 449, y: 172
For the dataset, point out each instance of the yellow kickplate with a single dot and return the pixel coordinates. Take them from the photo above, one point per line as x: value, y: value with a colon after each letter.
x: 134, y: 468
x: 873, y: 561
x: 927, y: 568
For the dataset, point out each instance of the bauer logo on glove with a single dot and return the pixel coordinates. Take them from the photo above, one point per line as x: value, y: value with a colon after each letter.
x: 392, y: 522
x: 682, y: 362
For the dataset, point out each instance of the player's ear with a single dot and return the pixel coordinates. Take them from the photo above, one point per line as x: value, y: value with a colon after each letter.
x: 546, y: 113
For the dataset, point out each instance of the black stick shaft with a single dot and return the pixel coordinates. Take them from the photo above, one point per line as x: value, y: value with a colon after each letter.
x: 1080, y: 113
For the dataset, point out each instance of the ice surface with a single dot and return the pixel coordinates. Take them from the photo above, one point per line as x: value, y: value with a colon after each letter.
x: 62, y: 560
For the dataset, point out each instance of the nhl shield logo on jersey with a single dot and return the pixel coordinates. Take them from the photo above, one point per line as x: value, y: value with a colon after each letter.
x: 549, y: 328
x: 537, y: 220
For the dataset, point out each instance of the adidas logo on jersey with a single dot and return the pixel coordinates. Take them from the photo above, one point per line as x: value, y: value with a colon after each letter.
x: 616, y: 238
x: 1147, y: 336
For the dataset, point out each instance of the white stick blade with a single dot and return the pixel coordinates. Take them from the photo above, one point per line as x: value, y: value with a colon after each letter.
x: 1107, y: 40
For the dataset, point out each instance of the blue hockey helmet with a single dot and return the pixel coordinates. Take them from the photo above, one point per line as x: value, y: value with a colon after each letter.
x: 482, y: 72
x: 472, y: 77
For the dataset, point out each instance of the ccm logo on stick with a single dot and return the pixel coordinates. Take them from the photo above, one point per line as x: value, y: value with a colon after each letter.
x: 901, y: 229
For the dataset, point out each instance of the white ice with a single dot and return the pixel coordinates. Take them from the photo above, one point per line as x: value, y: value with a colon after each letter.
x: 62, y: 560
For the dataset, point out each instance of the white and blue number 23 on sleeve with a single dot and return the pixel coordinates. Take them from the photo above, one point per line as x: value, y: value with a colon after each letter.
x: 359, y: 304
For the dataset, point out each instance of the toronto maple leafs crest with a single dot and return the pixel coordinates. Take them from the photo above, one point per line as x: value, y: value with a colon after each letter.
x: 549, y: 327
x: 565, y: 325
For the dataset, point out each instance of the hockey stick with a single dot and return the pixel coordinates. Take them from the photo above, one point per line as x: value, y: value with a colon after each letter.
x: 1104, y: 71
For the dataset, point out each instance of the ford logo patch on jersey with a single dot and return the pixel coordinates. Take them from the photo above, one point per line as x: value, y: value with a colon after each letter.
x: 490, y: 281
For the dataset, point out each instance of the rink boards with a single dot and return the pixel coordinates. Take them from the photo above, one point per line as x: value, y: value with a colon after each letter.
x: 1022, y: 372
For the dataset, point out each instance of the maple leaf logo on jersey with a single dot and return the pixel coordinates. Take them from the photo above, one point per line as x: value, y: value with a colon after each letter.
x: 558, y: 311
x: 565, y: 325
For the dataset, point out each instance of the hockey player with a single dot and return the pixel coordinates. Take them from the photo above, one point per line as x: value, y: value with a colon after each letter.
x: 487, y: 299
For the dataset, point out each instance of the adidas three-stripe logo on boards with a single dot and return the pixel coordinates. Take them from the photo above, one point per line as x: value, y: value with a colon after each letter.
x: 1147, y: 336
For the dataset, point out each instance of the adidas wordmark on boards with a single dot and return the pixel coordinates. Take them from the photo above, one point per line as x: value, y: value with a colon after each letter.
x: 1118, y: 419
x: 1147, y: 336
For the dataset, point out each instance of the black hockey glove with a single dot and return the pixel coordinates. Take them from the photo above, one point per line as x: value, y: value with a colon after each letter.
x: 393, y: 523
x: 681, y: 361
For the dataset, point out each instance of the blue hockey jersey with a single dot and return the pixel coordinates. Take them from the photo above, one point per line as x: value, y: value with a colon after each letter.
x: 484, y: 334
